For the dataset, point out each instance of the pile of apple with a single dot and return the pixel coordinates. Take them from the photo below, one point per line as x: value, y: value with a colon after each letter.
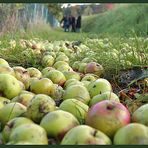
x: 63, y: 104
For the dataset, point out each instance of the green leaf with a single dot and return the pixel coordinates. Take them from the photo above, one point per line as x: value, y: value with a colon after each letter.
x: 141, y: 97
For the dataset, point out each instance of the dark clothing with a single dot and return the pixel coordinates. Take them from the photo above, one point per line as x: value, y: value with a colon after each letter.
x: 70, y: 21
x: 66, y: 23
x: 73, y: 24
x: 78, y: 23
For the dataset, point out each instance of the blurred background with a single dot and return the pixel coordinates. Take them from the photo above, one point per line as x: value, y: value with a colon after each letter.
x: 99, y: 18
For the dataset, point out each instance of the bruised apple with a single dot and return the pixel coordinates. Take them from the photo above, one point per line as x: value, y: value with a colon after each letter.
x: 85, y: 135
x: 58, y: 123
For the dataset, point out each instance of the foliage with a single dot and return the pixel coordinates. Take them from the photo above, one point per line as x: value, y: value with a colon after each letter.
x: 84, y: 10
x: 55, y: 9
x: 122, y: 20
x: 8, y: 15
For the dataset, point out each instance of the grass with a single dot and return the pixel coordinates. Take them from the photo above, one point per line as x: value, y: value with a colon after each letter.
x: 120, y: 21
x: 116, y: 54
x: 136, y: 45
x: 98, y: 46
x: 48, y: 34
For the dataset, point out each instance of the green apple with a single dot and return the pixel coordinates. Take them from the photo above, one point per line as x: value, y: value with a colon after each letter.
x: 3, y: 62
x: 39, y: 106
x: 20, y: 143
x: 3, y: 102
x: 34, y: 72
x: 31, y: 80
x: 85, y: 83
x: 99, y: 86
x: 56, y: 92
x: 9, y: 86
x: 78, y: 92
x: 89, y: 77
x: 6, y: 70
x: 75, y: 107
x: 71, y: 75
x: 46, y: 70
x: 58, y: 123
x: 85, y: 135
x: 140, y: 115
x: 75, y: 65
x: 22, y: 75
x: 82, y: 67
x: 10, y: 111
x: 22, y: 85
x: 64, y: 68
x: 26, y: 92
x: 56, y: 77
x: 41, y: 86
x: 47, y: 60
x: 62, y: 58
x: 73, y: 81
x: 12, y: 124
x: 58, y: 64
x: 31, y: 133
x: 132, y: 134
x: 53, y: 54
x: 23, y: 98
x: 104, y: 96
x: 60, y: 53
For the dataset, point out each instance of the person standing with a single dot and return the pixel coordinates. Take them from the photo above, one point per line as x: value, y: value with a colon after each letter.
x: 78, y: 24
x: 70, y: 22
x: 73, y: 24
x: 66, y: 23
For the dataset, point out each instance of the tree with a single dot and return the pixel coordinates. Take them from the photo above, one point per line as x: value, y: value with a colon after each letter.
x: 88, y: 10
x: 55, y: 9
x: 8, y: 15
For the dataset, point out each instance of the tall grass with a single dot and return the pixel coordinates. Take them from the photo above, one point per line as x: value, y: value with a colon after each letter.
x: 119, y: 21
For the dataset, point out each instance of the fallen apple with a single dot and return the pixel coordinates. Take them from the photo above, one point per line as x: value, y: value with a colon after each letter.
x: 58, y: 123
x: 85, y: 135
x: 132, y: 134
x: 31, y: 133
x: 78, y: 92
x: 75, y: 107
x: 108, y: 116
x: 99, y: 86
x: 39, y: 106
x: 9, y: 86
x: 104, y: 96
x: 140, y: 115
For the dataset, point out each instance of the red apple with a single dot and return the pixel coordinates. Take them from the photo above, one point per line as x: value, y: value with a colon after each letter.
x: 108, y: 116
x: 94, y: 68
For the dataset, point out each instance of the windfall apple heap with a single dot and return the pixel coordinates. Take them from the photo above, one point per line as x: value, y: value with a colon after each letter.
x: 63, y: 104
